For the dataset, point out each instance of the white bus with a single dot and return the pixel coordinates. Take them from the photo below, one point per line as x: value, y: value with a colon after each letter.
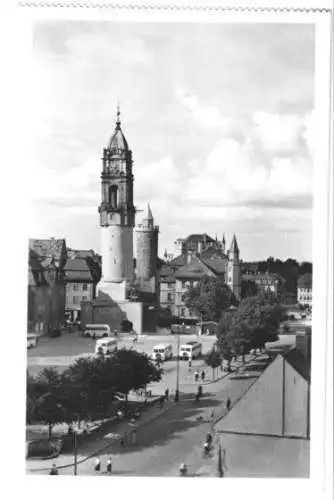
x: 190, y: 350
x: 105, y: 346
x: 162, y: 352
x: 96, y: 331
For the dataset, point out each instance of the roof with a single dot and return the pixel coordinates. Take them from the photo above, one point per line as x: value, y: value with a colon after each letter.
x: 118, y: 140
x: 218, y: 266
x: 211, y: 253
x: 195, y: 238
x: 179, y: 261
x: 48, y: 248
x: 148, y: 213
x: 77, y: 269
x: 196, y: 269
x: 298, y: 362
x: 305, y: 280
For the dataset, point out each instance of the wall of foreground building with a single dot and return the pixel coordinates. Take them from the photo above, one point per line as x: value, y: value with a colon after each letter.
x: 277, y: 404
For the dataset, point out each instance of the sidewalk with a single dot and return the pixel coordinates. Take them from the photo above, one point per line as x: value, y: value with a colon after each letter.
x: 223, y: 374
x: 92, y: 448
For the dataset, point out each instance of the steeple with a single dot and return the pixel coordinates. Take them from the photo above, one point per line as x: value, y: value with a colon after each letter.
x: 234, y: 246
x: 148, y: 214
x: 118, y: 142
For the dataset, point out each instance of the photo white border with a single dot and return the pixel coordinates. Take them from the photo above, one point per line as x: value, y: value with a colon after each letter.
x: 18, y: 38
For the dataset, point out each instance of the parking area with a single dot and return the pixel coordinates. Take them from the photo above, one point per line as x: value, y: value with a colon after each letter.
x: 62, y: 351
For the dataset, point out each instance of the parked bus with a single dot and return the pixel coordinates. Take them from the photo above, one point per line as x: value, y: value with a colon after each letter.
x: 96, y: 331
x: 162, y: 352
x: 105, y: 346
x: 190, y: 350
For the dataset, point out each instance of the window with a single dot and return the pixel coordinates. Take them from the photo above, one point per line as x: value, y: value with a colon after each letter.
x: 76, y: 300
x: 169, y: 297
x: 84, y: 297
x: 113, y: 196
x: 183, y: 297
x: 170, y: 285
x: 85, y: 287
x: 76, y: 287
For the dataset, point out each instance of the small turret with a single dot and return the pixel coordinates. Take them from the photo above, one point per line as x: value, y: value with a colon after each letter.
x: 223, y: 244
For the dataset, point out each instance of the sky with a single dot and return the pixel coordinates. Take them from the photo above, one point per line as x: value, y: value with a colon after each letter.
x: 219, y: 119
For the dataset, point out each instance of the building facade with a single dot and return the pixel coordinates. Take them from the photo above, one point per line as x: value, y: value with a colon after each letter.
x: 46, y: 285
x: 202, y: 256
x: 304, y: 290
x: 82, y: 273
x: 264, y: 282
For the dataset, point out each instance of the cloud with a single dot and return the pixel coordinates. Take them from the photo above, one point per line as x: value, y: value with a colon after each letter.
x: 242, y: 173
x: 202, y: 114
x: 156, y: 180
x: 280, y: 135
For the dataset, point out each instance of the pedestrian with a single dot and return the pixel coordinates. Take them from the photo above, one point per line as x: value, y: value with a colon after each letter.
x: 166, y: 394
x: 189, y: 364
x: 228, y: 404
x: 196, y: 375
x: 54, y: 470
x: 134, y: 437
x: 203, y: 375
x: 109, y: 465
x: 97, y: 466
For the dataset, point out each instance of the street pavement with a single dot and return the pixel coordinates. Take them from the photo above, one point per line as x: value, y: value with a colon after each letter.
x: 170, y: 436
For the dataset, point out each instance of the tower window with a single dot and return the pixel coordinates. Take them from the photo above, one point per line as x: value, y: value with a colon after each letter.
x: 113, y: 196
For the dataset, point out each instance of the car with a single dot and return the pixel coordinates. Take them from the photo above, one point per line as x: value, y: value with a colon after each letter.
x: 32, y: 340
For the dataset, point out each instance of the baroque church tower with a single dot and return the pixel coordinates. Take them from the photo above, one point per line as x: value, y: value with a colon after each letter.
x: 117, y: 216
x: 233, y: 268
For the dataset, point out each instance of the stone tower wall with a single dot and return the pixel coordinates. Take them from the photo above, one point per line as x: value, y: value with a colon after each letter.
x: 147, y: 252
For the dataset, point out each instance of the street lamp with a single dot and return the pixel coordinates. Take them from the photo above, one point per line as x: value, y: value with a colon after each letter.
x: 75, y: 452
x: 177, y: 392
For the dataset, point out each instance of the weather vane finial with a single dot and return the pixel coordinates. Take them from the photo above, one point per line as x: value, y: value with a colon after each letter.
x: 118, y: 120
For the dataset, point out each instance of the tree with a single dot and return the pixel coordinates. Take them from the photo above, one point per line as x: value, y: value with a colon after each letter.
x: 89, y: 385
x: 132, y: 370
x: 46, y: 404
x: 253, y: 323
x: 213, y: 359
x: 209, y: 298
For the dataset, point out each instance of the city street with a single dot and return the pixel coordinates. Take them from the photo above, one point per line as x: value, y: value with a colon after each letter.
x: 176, y: 435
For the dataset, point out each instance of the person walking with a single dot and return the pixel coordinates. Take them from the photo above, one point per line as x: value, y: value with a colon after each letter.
x: 97, y: 466
x: 54, y: 470
x: 228, y: 404
x: 203, y: 375
x: 196, y: 375
x: 109, y: 465
x: 166, y: 394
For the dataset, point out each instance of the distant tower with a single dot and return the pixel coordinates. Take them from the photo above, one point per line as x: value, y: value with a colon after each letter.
x: 178, y: 246
x: 233, y: 269
x: 223, y: 244
x: 147, y: 248
x: 117, y: 215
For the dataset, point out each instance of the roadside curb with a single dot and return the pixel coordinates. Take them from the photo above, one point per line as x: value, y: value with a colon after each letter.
x: 100, y: 450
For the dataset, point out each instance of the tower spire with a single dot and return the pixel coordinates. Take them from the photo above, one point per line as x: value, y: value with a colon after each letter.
x: 118, y: 116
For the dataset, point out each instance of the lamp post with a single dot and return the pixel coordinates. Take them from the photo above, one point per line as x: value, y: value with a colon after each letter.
x: 178, y: 367
x: 75, y: 452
